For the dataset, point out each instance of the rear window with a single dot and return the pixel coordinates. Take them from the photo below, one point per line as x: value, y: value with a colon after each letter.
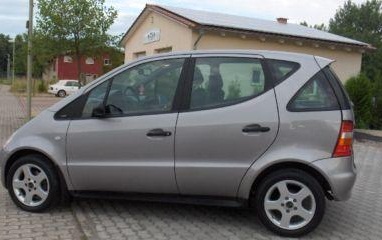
x: 282, y: 70
x: 339, y: 89
x: 316, y: 95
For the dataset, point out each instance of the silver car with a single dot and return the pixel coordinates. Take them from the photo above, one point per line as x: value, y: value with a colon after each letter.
x: 268, y: 130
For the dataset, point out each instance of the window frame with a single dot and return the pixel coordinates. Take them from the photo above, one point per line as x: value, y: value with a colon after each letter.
x: 81, y: 100
x: 285, y: 77
x: 187, y: 91
x: 313, y: 109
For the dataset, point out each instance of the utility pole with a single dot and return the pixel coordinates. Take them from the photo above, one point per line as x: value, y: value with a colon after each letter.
x: 13, y: 59
x: 29, y: 64
x: 8, y: 66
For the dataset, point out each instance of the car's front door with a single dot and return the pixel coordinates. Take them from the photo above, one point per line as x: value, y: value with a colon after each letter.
x: 231, y: 121
x: 124, y: 140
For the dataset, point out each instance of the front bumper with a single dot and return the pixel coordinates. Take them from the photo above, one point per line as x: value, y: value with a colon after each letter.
x: 340, y: 173
x: 52, y: 91
x: 2, y: 164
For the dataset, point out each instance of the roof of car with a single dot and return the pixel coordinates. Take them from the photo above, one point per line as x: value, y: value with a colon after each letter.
x: 263, y: 53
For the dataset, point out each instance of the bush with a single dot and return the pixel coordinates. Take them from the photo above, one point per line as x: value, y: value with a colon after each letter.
x: 376, y: 122
x: 41, y: 86
x: 360, y: 91
x: 19, y: 86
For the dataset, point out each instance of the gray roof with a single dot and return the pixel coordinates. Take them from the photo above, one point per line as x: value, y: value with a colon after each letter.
x: 258, y: 25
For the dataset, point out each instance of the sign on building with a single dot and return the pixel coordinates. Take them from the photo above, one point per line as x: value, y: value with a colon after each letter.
x: 152, y: 36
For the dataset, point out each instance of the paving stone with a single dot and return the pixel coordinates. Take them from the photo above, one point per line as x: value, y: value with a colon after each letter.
x: 15, y: 223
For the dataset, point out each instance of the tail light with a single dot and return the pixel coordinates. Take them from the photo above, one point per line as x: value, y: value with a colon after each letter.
x: 345, y: 140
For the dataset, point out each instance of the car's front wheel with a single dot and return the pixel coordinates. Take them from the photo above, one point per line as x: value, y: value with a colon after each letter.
x: 290, y: 202
x: 33, y: 184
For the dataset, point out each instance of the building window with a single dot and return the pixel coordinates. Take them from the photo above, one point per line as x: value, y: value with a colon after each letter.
x: 68, y: 59
x: 89, y: 61
x: 163, y: 50
x: 106, y: 62
x: 139, y: 54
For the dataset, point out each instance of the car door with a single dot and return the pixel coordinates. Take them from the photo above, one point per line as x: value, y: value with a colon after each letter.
x: 230, y: 121
x: 68, y: 86
x: 73, y: 87
x: 124, y: 139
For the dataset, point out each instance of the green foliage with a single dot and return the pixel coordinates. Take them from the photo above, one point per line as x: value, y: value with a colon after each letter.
x: 42, y: 87
x: 321, y: 26
x: 376, y: 122
x: 360, y: 91
x: 5, y: 50
x: 234, y: 90
x: 19, y: 86
x: 362, y: 22
x: 78, y: 27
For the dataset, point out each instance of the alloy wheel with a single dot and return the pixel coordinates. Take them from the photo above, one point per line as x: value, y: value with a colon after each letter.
x: 289, y: 204
x: 30, y: 185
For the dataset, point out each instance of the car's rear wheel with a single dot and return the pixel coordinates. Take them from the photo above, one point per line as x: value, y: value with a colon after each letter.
x: 33, y: 183
x: 290, y: 202
x: 61, y: 93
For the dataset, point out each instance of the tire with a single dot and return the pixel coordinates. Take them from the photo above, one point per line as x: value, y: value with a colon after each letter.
x: 33, y: 183
x: 61, y: 93
x: 293, y: 211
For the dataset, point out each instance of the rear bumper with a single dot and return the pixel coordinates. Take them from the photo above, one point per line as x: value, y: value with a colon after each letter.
x: 340, y: 173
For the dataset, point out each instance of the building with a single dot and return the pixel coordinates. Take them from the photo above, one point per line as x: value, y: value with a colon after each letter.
x: 65, y: 67
x: 160, y: 29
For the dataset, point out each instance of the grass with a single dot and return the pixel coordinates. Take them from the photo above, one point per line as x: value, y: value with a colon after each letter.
x: 5, y: 81
x: 20, y: 86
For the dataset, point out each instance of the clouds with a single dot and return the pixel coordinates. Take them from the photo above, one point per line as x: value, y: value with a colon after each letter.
x: 14, y: 13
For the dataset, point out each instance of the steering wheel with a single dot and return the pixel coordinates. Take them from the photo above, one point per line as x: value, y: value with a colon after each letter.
x: 131, y: 92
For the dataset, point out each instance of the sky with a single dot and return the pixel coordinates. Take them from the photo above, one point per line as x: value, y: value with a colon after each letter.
x: 14, y: 13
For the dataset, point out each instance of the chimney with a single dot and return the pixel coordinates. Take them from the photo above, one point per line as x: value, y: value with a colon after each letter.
x: 282, y: 20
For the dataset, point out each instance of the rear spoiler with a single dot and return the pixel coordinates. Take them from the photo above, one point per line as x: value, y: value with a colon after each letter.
x: 323, y: 62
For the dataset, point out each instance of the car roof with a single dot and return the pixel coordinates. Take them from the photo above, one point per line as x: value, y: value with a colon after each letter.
x: 281, y: 55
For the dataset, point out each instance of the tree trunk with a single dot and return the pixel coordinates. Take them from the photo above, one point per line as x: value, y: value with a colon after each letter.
x: 78, y: 57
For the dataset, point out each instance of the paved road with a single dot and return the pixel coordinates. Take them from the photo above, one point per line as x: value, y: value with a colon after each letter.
x: 358, y: 218
x: 14, y: 223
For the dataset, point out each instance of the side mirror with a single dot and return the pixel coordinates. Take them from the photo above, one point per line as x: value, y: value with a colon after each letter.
x: 99, y: 112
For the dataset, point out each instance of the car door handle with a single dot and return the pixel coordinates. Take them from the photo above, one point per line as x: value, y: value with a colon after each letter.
x: 158, y: 132
x: 255, y: 128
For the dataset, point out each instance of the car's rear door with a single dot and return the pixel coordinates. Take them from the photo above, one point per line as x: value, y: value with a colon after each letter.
x: 230, y: 119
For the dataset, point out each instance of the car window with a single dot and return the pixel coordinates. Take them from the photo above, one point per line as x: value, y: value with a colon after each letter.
x: 95, y: 99
x: 146, y: 88
x: 75, y: 84
x: 221, y: 81
x: 68, y: 84
x: 281, y: 70
x: 316, y: 95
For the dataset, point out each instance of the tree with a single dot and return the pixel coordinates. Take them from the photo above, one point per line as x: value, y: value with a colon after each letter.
x: 362, y: 22
x: 321, y: 26
x: 76, y: 27
x: 5, y: 49
x: 360, y: 92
